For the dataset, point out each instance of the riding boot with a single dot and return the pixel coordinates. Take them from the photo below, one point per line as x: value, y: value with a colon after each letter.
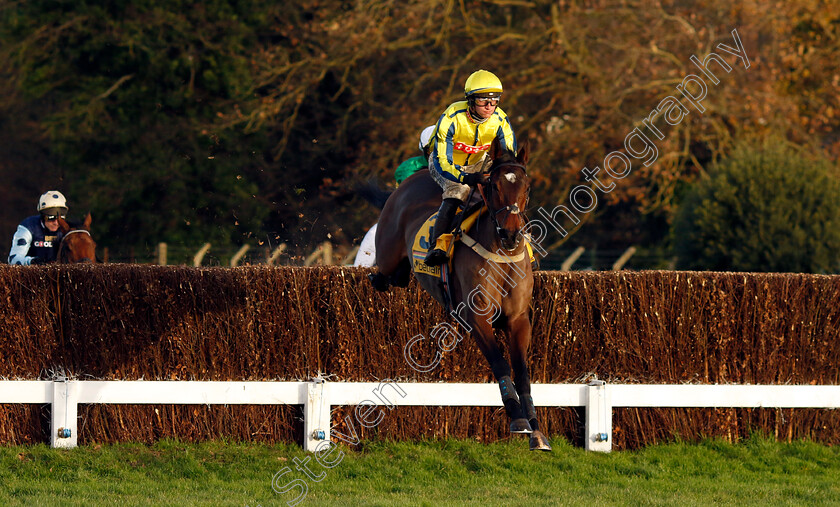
x: 443, y: 225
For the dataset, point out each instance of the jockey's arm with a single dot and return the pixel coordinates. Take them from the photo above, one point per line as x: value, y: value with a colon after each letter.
x: 504, y: 133
x: 21, y: 242
x: 442, y: 151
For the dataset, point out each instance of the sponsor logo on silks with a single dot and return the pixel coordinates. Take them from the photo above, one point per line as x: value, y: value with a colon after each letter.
x: 466, y: 148
x: 47, y: 244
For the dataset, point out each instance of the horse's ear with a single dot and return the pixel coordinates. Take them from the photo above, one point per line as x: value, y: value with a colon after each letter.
x: 524, y: 152
x: 63, y: 226
x: 495, y: 149
x: 86, y: 223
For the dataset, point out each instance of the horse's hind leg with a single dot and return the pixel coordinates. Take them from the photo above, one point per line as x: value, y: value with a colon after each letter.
x: 519, y: 334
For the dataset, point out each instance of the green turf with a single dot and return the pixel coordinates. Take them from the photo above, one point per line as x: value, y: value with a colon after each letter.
x: 758, y: 471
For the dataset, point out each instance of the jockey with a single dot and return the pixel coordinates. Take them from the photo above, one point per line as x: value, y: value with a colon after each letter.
x: 462, y: 139
x: 36, y: 239
x: 366, y: 256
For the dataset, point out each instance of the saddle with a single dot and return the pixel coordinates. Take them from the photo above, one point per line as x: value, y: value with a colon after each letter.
x: 446, y: 242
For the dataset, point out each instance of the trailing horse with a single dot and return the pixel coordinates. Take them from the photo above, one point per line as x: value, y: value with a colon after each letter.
x: 490, y: 284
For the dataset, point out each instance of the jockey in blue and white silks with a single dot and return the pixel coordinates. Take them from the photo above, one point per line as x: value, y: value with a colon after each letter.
x: 37, y: 237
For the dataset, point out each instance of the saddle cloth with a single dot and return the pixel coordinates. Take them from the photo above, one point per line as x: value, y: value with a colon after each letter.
x: 445, y: 242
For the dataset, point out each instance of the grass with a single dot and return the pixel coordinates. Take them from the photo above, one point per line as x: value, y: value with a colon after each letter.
x: 757, y: 472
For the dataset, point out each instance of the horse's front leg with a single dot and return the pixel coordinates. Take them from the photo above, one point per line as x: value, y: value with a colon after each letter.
x: 519, y: 335
x: 482, y: 332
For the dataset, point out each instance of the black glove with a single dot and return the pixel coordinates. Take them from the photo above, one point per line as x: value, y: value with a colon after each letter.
x: 473, y: 179
x: 37, y: 260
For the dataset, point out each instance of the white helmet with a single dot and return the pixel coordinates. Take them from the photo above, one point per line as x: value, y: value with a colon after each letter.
x: 52, y: 203
x: 426, y: 136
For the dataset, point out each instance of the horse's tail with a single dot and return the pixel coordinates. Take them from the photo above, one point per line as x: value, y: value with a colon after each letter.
x: 372, y: 193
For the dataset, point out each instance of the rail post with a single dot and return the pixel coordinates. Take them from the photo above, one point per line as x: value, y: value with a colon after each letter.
x: 64, y: 432
x: 316, y: 414
x: 598, y: 417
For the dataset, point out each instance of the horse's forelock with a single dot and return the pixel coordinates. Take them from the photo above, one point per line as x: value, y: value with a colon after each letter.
x: 510, y: 170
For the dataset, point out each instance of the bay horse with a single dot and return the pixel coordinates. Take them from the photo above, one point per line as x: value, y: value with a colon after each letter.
x: 76, y: 244
x: 499, y: 280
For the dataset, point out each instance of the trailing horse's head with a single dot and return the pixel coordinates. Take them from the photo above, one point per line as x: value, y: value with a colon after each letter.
x: 508, y: 187
x: 76, y: 243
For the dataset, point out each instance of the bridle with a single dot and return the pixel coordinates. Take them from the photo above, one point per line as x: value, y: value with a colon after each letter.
x: 512, y: 209
x: 61, y: 245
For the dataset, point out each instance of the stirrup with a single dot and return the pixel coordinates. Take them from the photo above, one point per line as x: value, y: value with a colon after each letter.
x: 436, y: 257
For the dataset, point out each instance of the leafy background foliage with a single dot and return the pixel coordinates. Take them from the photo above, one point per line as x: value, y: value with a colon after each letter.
x: 236, y: 122
x: 769, y: 208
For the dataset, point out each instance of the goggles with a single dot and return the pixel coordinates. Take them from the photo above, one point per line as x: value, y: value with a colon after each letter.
x: 483, y: 101
x: 50, y: 218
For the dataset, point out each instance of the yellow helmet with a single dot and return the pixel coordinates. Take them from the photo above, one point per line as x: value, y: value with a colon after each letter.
x: 484, y: 83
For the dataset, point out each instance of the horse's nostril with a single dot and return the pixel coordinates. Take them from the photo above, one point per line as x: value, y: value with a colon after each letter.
x: 509, y: 241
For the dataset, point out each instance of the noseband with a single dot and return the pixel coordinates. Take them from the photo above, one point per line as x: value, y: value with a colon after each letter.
x: 512, y: 209
x: 61, y: 245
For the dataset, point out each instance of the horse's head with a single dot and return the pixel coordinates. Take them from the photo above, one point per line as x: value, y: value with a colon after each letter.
x: 507, y: 192
x: 76, y: 243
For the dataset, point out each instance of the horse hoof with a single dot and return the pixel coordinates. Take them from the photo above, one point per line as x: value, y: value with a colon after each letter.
x: 379, y: 281
x: 539, y: 442
x: 520, y: 426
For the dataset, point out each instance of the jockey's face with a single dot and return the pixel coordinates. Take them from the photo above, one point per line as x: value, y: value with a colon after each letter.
x: 485, y: 107
x: 485, y: 111
x: 51, y: 225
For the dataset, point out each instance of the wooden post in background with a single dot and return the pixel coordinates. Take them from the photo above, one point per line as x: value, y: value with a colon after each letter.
x: 234, y: 261
x: 324, y: 252
x: 275, y: 254
x: 200, y: 254
x: 567, y: 264
x: 350, y: 258
x: 161, y: 254
x: 624, y: 258
x: 327, y: 259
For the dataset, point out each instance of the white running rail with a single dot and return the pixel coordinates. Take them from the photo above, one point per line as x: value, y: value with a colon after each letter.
x: 373, y: 400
